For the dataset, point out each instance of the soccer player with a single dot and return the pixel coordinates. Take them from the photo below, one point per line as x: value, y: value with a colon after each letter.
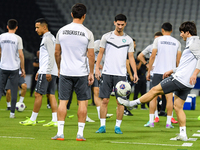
x: 12, y: 59
x: 46, y: 75
x: 74, y: 43
x: 23, y: 86
x: 183, y: 79
x: 167, y: 51
x: 116, y: 45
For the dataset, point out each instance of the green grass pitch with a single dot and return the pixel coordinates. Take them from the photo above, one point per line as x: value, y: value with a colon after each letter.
x: 14, y: 136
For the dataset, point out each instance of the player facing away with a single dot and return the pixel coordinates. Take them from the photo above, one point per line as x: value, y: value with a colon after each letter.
x: 116, y: 45
x: 167, y: 51
x: 74, y: 43
x: 46, y: 75
x: 179, y: 80
x: 21, y: 84
x: 12, y: 59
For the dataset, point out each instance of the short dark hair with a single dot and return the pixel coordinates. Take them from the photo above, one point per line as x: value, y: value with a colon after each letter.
x: 133, y: 39
x: 158, y: 34
x: 12, y: 24
x: 167, y: 26
x: 42, y: 21
x: 78, y: 10
x: 188, y: 26
x: 120, y: 17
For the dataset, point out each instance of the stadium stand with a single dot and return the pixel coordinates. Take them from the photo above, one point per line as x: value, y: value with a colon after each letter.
x: 144, y: 17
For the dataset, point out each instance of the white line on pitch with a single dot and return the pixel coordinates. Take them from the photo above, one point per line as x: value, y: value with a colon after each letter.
x: 184, y: 144
x: 12, y: 137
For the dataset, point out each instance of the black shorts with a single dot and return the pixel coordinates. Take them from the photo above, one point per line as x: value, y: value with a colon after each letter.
x: 172, y: 85
x: 156, y: 79
x: 79, y: 84
x: 95, y: 83
x: 109, y: 81
x: 44, y: 87
x: 20, y: 82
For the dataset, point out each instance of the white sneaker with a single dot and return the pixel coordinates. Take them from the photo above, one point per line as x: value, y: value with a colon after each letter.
x: 12, y: 116
x: 124, y: 102
x: 181, y: 138
x: 89, y: 120
x: 109, y: 115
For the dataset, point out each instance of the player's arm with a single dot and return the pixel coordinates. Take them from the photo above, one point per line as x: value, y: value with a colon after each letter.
x: 193, y: 78
x: 58, y: 57
x: 178, y: 56
x: 99, y: 58
x: 129, y: 69
x: 21, y: 57
x: 91, y: 58
x: 141, y: 58
x: 133, y: 65
x: 50, y: 49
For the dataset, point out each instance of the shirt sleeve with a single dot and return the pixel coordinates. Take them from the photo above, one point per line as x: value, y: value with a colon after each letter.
x: 103, y: 41
x: 131, y: 46
x: 155, y: 43
x: 20, y: 44
x: 49, y: 44
x: 91, y: 40
x: 57, y: 37
x: 179, y: 47
x: 146, y: 50
x: 195, y: 49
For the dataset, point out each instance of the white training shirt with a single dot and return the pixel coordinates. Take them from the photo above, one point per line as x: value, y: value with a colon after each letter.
x: 47, y: 63
x: 10, y: 43
x: 74, y: 40
x: 167, y: 48
x: 116, y: 50
x: 188, y: 61
x: 148, y: 51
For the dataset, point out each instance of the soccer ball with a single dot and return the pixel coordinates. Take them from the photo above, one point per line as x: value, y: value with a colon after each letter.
x: 123, y: 88
x: 20, y: 106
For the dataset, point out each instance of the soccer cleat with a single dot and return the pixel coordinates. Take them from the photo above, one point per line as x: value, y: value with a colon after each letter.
x: 169, y: 126
x: 58, y: 137
x: 127, y: 113
x: 118, y: 130
x: 173, y: 120
x: 8, y: 108
x: 80, y: 138
x: 124, y: 102
x: 28, y: 122
x: 181, y: 138
x: 89, y: 120
x: 48, y: 106
x: 148, y: 124
x: 102, y: 129
x: 156, y: 119
x: 109, y: 115
x: 51, y: 123
x: 12, y: 116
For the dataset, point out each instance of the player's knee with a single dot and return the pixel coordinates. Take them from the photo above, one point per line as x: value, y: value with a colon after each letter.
x: 8, y: 92
x: 24, y: 86
x: 37, y: 94
x: 105, y: 101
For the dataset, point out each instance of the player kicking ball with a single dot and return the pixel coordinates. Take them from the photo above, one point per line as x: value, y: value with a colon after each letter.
x: 181, y: 82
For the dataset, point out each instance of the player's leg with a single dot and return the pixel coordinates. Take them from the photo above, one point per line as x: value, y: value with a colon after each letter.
x: 97, y: 99
x: 120, y: 108
x: 14, y: 77
x: 152, y: 108
x: 8, y: 98
x: 40, y: 90
x: 105, y: 89
x: 169, y: 107
x: 178, y: 106
x: 51, y: 96
x: 83, y: 92
x: 23, y: 91
x: 65, y: 90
